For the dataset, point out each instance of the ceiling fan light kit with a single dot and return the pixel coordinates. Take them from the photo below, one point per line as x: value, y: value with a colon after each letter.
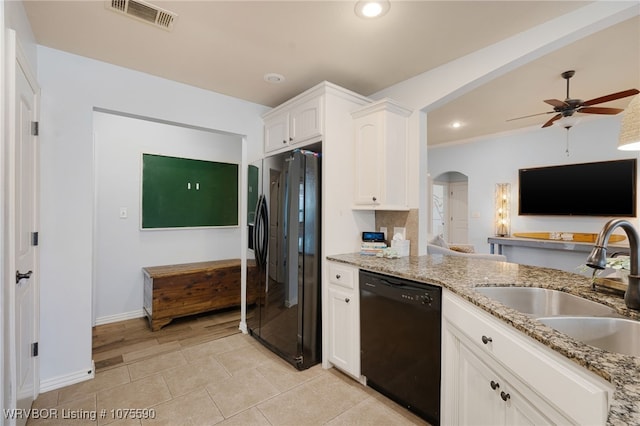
x: 630, y: 130
x: 568, y: 121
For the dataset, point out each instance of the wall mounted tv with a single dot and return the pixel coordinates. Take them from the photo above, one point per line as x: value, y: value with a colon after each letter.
x: 606, y: 188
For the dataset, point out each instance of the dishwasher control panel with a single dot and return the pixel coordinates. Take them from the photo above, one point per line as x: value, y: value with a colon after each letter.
x: 407, y: 291
x: 425, y: 299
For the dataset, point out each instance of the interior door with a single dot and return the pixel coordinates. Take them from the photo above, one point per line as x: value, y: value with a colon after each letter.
x: 25, y: 241
x: 459, y: 225
x: 439, y: 205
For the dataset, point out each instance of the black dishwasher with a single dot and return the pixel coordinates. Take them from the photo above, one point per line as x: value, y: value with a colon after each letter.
x: 400, y: 341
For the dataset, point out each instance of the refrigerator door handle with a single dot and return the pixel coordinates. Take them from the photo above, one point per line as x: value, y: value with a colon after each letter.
x: 260, y: 232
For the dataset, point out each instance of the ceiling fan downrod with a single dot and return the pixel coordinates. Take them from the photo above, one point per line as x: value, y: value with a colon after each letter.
x: 567, y: 75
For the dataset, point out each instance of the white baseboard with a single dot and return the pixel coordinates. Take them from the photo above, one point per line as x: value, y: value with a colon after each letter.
x: 119, y: 317
x: 69, y: 379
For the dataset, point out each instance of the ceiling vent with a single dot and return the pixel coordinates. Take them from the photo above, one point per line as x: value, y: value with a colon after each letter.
x: 144, y: 11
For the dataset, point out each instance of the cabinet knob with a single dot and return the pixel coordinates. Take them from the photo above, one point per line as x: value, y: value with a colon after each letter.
x: 290, y: 139
x: 494, y: 385
x: 284, y: 141
x: 505, y: 396
x: 347, y: 299
x: 486, y: 339
x: 374, y: 199
x: 337, y: 276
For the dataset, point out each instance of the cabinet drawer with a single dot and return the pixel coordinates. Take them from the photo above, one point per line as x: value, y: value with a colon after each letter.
x: 342, y: 275
x: 576, y: 391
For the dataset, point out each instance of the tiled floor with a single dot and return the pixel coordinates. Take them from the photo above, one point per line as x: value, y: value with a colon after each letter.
x: 230, y: 381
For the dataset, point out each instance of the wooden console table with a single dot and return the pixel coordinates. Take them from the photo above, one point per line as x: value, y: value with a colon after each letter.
x: 173, y: 291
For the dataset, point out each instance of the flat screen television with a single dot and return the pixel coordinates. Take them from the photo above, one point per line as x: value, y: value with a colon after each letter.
x: 606, y: 188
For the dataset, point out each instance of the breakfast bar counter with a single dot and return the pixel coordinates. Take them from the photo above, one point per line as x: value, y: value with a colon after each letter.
x: 461, y: 275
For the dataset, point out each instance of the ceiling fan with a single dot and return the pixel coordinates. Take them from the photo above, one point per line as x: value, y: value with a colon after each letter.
x: 570, y: 106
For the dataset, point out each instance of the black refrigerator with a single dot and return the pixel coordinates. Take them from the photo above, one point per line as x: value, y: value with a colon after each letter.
x: 286, y: 244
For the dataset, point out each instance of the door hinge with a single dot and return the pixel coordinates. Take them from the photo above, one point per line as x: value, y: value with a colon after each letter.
x: 35, y: 128
x: 34, y: 349
x: 34, y: 238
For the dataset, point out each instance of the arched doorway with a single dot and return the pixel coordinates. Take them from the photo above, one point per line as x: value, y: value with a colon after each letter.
x: 449, y: 207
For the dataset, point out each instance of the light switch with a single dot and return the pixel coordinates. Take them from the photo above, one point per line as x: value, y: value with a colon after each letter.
x: 123, y: 213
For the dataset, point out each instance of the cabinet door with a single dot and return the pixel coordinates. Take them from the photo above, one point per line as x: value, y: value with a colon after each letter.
x: 381, y: 157
x: 306, y: 121
x: 369, y: 169
x: 521, y: 411
x: 276, y: 132
x: 479, y: 403
x: 343, y: 339
x: 487, y: 398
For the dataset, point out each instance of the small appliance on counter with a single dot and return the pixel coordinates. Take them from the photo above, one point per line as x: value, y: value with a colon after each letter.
x: 372, y: 243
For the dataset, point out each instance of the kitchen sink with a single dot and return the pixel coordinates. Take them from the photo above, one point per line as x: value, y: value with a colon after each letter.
x: 542, y: 302
x: 618, y: 335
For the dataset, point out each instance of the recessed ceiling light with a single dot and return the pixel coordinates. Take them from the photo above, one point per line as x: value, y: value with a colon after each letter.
x: 371, y: 8
x: 456, y: 124
x: 273, y: 77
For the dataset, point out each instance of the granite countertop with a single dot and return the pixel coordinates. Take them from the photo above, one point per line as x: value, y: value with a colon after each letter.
x: 462, y: 274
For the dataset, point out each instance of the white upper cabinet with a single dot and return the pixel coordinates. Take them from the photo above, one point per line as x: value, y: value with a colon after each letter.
x: 276, y: 132
x: 305, y: 121
x: 381, y: 156
x: 293, y: 123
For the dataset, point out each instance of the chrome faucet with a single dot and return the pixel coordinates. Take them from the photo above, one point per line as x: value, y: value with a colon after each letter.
x: 598, y: 257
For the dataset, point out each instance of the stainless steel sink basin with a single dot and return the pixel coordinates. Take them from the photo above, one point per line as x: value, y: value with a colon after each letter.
x: 619, y: 335
x: 542, y: 302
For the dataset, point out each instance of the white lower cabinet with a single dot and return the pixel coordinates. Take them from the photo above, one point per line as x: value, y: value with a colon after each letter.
x: 487, y: 398
x: 494, y: 375
x: 344, y: 318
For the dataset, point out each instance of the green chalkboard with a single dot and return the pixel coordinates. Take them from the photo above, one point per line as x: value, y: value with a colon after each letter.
x: 181, y: 192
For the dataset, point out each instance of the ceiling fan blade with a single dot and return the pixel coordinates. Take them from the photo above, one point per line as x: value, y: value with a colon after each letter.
x: 532, y: 115
x: 611, y: 97
x: 557, y: 103
x: 550, y: 122
x: 600, y: 110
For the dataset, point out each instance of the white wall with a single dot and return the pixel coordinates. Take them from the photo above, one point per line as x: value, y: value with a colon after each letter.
x: 122, y: 248
x: 71, y: 87
x: 496, y: 159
